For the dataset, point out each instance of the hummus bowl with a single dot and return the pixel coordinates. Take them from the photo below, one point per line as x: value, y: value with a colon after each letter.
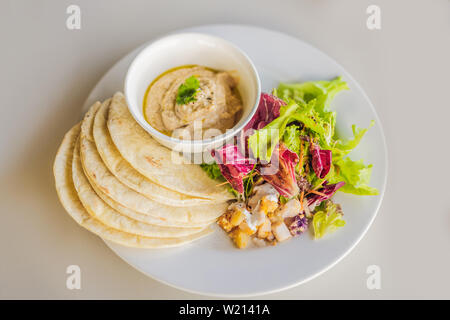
x: 191, y: 49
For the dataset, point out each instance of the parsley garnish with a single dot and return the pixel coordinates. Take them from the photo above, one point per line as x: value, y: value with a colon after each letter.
x: 188, y: 90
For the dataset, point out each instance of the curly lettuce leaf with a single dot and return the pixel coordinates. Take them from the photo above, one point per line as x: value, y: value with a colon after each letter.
x: 307, y: 114
x: 322, y: 91
x: 213, y: 171
x: 327, y: 219
x: 291, y: 138
x: 263, y: 141
x: 342, y: 148
x: 308, y: 102
x: 355, y: 174
x: 319, y: 95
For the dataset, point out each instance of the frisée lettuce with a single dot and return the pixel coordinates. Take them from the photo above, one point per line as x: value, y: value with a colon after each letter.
x: 327, y: 219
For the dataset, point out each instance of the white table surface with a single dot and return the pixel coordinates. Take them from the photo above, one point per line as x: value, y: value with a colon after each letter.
x: 47, y: 72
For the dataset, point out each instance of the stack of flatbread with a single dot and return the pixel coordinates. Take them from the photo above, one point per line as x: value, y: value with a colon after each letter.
x: 115, y: 180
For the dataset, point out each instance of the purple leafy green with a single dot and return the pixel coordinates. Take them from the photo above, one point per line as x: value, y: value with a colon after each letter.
x: 321, y: 161
x: 233, y: 166
x: 324, y: 193
x: 280, y: 171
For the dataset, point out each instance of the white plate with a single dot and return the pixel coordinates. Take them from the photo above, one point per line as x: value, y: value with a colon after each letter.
x: 213, y: 265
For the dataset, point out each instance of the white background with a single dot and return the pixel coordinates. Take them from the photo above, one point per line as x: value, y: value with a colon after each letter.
x: 47, y: 71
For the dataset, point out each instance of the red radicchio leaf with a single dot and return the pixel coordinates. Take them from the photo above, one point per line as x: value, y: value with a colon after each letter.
x: 280, y: 172
x: 328, y: 189
x: 268, y: 110
x: 233, y: 166
x: 321, y: 161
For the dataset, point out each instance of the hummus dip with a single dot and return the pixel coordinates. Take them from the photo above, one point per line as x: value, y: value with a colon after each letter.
x: 216, y: 105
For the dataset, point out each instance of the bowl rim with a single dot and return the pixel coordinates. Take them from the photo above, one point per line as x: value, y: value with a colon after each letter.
x: 224, y: 136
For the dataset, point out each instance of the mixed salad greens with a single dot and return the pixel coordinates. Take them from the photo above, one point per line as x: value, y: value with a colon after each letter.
x: 291, y: 144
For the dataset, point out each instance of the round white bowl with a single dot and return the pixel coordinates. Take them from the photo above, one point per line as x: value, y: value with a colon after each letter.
x: 191, y: 49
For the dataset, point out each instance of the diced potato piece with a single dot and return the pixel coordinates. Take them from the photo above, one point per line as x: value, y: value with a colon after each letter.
x: 267, y: 205
x: 224, y: 221
x: 240, y: 238
x: 246, y: 228
x: 263, y: 209
x: 289, y: 209
x: 274, y: 216
x: 237, y: 217
x: 258, y: 218
x: 232, y: 218
x: 259, y: 242
x: 261, y: 191
x: 280, y: 231
x: 265, y: 229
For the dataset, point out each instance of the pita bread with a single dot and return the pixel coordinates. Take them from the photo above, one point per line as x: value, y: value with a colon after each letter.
x: 145, y: 217
x: 62, y: 170
x: 110, y: 217
x: 126, y: 174
x: 105, y: 181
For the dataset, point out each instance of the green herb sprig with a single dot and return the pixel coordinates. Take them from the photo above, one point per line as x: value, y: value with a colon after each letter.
x: 187, y: 92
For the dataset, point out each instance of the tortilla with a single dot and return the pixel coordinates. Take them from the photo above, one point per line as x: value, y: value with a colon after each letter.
x: 144, y: 217
x: 126, y: 174
x: 155, y: 161
x: 104, y: 180
x: 62, y: 170
x: 110, y: 217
